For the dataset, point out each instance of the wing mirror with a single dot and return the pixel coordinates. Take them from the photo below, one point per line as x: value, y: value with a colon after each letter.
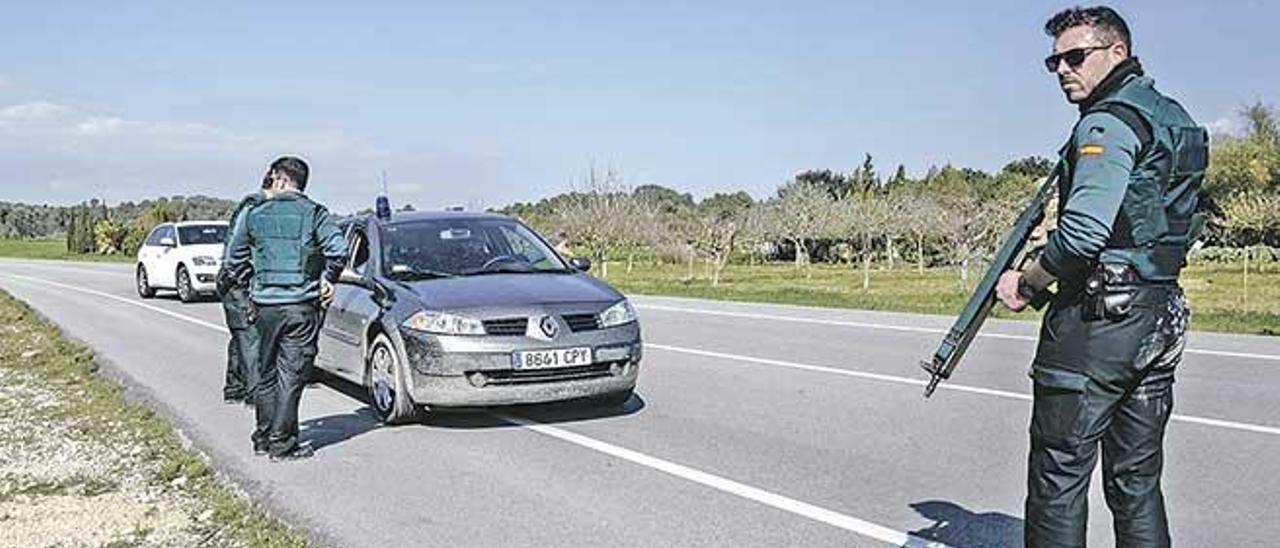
x: 348, y: 276
x: 580, y: 263
x: 168, y: 242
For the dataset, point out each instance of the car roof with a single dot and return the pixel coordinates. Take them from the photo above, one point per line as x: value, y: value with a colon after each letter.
x: 189, y: 223
x: 405, y: 217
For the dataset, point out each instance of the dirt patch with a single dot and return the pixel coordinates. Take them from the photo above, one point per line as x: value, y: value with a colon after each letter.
x: 80, y: 466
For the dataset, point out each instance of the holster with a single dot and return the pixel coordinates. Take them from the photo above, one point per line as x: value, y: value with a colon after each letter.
x: 1109, y: 291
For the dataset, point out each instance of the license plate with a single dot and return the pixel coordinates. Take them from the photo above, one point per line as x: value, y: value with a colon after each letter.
x: 542, y: 359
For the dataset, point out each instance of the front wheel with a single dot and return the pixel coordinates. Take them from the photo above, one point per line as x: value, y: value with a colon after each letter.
x: 185, y: 292
x: 384, y: 378
x: 143, y: 284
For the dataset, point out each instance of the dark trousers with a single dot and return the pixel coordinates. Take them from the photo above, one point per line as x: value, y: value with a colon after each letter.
x: 289, y: 334
x: 242, y: 347
x: 1103, y: 382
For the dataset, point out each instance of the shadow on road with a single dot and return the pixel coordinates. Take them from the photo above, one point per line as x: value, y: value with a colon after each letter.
x: 334, y: 429
x: 322, y: 432
x: 955, y: 526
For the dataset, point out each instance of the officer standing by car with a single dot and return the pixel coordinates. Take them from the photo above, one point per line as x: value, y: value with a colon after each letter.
x: 237, y: 308
x: 297, y: 252
x: 1115, y: 332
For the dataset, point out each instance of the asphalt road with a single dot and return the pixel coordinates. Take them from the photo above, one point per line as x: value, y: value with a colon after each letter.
x: 754, y: 425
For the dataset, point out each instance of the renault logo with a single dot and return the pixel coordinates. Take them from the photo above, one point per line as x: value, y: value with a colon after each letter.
x: 549, y: 327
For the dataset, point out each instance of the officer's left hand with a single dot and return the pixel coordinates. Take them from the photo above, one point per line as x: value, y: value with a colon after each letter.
x: 1007, y: 291
x: 326, y: 293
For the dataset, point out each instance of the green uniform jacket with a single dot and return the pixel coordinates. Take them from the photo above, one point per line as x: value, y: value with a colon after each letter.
x: 292, y: 242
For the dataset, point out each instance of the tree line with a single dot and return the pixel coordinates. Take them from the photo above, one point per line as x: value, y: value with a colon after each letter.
x: 95, y: 227
x: 951, y: 216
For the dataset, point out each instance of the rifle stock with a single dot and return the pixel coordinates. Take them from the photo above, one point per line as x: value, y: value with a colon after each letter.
x: 1011, y: 255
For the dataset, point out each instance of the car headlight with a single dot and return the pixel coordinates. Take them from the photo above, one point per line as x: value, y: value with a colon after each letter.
x: 618, y: 314
x: 204, y: 261
x: 444, y: 323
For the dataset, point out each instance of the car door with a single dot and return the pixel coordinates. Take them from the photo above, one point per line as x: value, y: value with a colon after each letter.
x: 149, y: 252
x: 166, y: 259
x: 342, y: 336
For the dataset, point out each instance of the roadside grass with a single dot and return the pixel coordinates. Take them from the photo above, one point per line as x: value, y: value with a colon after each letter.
x: 1215, y: 291
x: 53, y: 249
x: 51, y: 389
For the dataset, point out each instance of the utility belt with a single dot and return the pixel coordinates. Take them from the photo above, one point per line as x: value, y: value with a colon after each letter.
x: 1112, y: 289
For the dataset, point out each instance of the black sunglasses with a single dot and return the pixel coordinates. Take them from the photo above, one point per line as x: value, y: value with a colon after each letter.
x: 1074, y: 57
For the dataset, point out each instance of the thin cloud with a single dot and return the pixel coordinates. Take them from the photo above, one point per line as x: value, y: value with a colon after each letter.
x: 1227, y: 126
x: 50, y: 152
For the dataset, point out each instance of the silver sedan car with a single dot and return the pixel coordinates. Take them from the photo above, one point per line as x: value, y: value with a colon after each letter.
x: 453, y: 309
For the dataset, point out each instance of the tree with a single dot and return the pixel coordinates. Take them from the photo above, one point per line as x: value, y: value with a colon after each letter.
x: 835, y: 184
x: 721, y: 221
x: 1252, y: 214
x: 802, y: 212
x: 1035, y: 167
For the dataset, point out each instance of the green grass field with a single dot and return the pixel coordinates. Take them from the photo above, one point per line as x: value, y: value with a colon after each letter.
x: 55, y: 249
x: 1215, y: 291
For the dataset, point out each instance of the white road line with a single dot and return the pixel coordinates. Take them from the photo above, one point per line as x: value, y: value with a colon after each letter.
x: 910, y: 329
x: 842, y: 323
x: 117, y: 298
x: 1232, y: 425
x: 767, y: 498
x: 1244, y: 426
x: 780, y: 502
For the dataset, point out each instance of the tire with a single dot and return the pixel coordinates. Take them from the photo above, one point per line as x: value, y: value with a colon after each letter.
x: 185, y: 292
x: 613, y: 399
x: 385, y: 382
x: 143, y: 284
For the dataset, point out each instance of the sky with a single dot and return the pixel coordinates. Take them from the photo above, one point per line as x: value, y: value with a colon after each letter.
x: 486, y: 103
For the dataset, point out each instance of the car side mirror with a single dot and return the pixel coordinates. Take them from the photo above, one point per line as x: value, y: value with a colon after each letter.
x: 168, y: 242
x: 349, y: 276
x: 580, y: 263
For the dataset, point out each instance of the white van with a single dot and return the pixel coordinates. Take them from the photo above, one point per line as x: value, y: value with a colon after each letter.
x: 181, y: 256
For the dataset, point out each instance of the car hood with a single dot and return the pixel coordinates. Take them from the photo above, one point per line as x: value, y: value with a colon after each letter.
x: 208, y: 250
x: 506, y: 290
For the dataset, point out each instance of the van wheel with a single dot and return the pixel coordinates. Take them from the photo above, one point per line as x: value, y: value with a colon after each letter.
x: 143, y: 284
x: 384, y: 377
x: 185, y: 292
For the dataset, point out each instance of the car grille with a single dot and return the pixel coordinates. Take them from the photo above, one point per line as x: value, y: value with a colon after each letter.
x: 582, y: 322
x: 530, y: 376
x: 506, y: 326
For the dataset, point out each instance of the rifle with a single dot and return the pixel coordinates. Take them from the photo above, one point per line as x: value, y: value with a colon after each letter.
x: 1013, y: 254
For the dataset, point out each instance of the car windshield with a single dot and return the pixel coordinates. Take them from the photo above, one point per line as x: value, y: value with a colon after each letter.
x: 201, y: 234
x: 464, y: 247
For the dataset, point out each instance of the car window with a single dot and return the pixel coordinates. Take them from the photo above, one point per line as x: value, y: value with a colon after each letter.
x: 359, y: 245
x: 523, y: 246
x: 201, y: 234
x: 167, y: 232
x: 465, y: 247
x: 156, y: 234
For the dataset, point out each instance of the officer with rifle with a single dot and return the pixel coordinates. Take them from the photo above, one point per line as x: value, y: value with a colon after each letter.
x: 233, y: 290
x: 297, y: 253
x: 1128, y: 183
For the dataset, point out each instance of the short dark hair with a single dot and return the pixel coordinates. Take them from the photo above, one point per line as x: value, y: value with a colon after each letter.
x: 1100, y: 18
x: 294, y: 167
x: 266, y: 180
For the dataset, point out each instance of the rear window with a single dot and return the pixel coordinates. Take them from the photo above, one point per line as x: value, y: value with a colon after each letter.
x: 202, y: 234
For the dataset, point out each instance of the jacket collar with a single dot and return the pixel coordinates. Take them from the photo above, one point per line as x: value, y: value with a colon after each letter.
x: 1118, y: 76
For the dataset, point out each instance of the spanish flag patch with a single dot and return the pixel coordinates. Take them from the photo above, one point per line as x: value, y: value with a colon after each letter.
x: 1087, y: 150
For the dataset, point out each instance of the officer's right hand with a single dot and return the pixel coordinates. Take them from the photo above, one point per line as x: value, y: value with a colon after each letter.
x: 326, y: 293
x: 1007, y: 291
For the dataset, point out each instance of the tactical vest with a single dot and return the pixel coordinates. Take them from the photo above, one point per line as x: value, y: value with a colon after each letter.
x: 1160, y: 216
x: 285, y: 253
